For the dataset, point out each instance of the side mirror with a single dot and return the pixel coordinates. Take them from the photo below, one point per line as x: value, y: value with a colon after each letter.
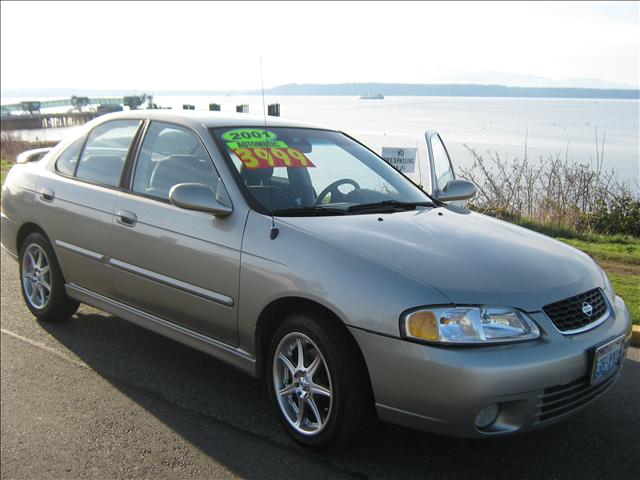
x: 198, y: 197
x: 457, y: 190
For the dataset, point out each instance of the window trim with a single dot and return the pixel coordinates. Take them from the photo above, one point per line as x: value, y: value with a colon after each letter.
x: 126, y: 177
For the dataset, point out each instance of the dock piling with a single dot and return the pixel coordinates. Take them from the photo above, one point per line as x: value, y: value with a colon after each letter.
x: 274, y: 110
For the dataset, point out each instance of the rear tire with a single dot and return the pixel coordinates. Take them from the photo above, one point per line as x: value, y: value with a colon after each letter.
x: 330, y: 384
x: 41, y: 281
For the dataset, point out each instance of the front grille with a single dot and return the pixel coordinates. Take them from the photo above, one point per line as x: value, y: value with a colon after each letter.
x: 568, y: 314
x: 561, y: 399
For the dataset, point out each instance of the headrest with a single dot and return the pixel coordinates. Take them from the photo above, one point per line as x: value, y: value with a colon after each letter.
x: 175, y: 141
x: 256, y: 176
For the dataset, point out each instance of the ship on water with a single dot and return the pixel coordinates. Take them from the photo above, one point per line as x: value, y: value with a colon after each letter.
x: 371, y: 96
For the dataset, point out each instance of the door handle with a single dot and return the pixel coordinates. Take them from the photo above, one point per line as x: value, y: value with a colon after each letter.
x: 47, y: 194
x: 126, y: 218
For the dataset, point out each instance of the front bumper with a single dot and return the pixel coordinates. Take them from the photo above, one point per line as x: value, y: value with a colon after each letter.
x: 442, y: 389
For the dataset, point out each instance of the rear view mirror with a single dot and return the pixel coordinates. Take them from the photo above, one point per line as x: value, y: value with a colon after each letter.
x: 198, y: 197
x: 457, y: 190
x: 301, y: 144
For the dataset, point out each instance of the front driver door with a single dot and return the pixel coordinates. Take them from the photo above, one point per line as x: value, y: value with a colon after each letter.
x: 180, y: 265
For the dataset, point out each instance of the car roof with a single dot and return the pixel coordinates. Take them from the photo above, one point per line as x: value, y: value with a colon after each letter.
x: 210, y: 119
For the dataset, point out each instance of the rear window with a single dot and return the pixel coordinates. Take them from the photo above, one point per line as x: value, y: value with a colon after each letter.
x: 68, y: 160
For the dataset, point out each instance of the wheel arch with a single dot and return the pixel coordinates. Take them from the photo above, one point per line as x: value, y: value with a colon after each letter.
x: 275, y: 312
x: 25, y: 230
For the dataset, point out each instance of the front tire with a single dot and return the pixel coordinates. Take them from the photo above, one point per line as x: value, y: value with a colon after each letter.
x: 41, y: 281
x: 318, y: 382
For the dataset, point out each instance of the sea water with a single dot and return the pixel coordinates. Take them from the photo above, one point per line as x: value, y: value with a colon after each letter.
x: 565, y: 127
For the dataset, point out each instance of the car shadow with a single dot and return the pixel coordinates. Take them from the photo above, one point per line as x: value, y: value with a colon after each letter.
x: 190, y: 392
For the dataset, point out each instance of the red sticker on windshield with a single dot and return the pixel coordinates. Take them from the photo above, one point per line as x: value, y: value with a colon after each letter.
x: 254, y: 158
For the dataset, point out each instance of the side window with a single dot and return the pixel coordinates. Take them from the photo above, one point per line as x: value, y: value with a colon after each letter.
x: 67, y: 161
x: 442, y: 166
x: 171, y: 155
x: 105, y: 152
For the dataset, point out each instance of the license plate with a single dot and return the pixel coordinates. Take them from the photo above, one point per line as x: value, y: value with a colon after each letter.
x: 606, y: 360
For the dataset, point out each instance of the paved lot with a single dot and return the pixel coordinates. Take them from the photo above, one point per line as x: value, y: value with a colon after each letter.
x: 98, y: 397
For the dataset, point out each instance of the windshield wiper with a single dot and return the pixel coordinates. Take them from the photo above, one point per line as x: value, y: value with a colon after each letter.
x: 308, y: 211
x: 387, y: 205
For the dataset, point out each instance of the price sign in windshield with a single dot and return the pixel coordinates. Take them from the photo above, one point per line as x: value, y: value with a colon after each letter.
x: 253, y: 158
x: 251, y: 138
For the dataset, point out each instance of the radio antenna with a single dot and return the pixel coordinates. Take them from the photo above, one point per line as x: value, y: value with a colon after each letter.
x: 274, y: 230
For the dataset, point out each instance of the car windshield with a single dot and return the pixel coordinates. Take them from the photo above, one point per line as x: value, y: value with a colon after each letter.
x: 300, y: 171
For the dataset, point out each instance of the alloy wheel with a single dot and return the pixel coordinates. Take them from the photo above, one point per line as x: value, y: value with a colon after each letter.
x: 36, y: 276
x: 302, y: 383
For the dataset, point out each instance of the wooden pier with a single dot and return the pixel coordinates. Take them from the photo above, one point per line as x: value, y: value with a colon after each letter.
x: 27, y: 115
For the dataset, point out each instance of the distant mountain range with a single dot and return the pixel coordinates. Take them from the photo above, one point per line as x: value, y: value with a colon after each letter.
x: 450, y: 90
x: 354, y: 89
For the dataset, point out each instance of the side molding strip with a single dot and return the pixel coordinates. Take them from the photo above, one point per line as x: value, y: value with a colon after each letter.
x: 172, y: 282
x: 143, y: 272
x: 234, y: 356
x: 81, y: 251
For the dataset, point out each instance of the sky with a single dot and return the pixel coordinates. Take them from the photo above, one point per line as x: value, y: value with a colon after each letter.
x: 150, y: 46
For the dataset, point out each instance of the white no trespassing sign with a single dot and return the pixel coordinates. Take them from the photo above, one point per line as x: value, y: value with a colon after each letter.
x: 403, y: 159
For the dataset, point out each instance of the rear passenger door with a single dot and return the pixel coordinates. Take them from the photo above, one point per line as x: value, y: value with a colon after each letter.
x: 78, y: 199
x: 180, y: 265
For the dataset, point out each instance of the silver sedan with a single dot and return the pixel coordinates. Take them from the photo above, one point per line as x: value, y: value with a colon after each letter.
x: 293, y: 252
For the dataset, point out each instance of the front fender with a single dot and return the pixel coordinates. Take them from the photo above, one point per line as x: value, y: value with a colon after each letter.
x: 361, y: 292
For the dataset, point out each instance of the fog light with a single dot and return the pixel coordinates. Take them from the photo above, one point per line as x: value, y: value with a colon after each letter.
x: 487, y: 416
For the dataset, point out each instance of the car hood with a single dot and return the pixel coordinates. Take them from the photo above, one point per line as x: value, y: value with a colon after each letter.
x: 471, y: 258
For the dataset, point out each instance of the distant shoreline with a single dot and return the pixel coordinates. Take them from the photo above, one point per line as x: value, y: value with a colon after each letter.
x: 453, y: 90
x: 355, y: 89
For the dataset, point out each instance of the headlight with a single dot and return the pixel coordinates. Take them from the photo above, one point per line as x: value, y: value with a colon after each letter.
x: 468, y: 325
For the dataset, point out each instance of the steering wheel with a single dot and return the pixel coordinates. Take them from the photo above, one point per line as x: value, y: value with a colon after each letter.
x: 333, y: 189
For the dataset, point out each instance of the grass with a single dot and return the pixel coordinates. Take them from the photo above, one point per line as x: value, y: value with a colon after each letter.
x: 609, y: 248
x: 618, y: 255
x: 628, y: 287
x: 5, y: 166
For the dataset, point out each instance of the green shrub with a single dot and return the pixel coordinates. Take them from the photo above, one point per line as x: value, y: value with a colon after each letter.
x: 553, y: 193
